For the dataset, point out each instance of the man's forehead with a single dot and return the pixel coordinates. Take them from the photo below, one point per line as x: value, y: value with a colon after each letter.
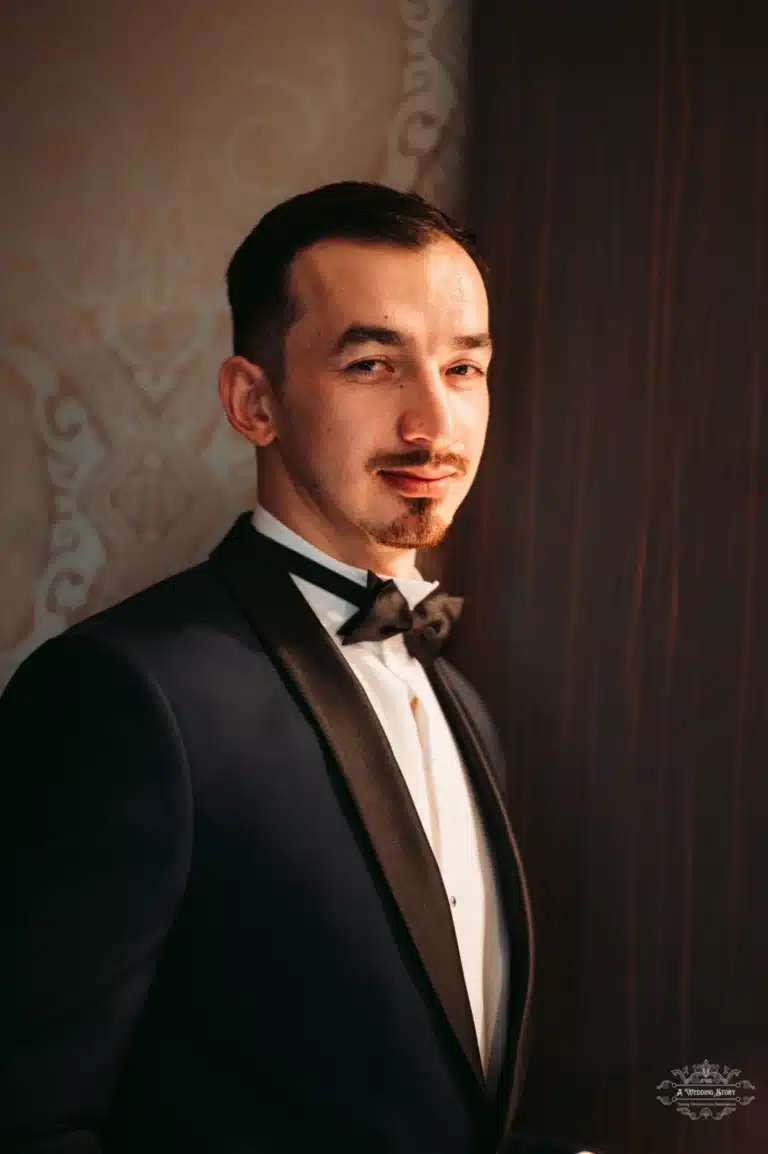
x: 331, y: 269
x: 342, y: 281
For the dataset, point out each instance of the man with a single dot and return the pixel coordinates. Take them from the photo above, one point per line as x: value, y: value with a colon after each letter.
x: 265, y: 894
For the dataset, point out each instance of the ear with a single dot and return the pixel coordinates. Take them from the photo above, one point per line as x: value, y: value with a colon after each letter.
x: 248, y: 401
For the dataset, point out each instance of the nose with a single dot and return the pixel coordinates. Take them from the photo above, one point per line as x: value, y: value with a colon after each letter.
x: 427, y: 415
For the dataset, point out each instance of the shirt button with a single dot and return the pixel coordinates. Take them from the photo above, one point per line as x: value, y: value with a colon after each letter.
x: 453, y: 900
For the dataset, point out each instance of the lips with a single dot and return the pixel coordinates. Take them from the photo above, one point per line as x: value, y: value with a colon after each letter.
x: 418, y: 476
x: 417, y: 484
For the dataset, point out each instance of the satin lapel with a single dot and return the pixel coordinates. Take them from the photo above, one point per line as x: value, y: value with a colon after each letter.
x: 300, y: 645
x: 509, y: 868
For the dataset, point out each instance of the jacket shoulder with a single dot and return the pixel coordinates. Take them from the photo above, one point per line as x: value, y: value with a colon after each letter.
x: 170, y: 623
x: 177, y: 599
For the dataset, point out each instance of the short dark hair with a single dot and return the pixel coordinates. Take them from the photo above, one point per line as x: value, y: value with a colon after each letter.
x: 258, y: 276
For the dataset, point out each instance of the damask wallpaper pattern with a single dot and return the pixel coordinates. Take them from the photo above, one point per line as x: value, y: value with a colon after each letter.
x: 140, y: 144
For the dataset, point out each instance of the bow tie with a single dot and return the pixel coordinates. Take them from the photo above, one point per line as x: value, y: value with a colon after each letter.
x: 384, y: 612
x: 382, y: 609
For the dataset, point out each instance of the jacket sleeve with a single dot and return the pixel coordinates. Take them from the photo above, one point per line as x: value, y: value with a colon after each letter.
x: 95, y: 832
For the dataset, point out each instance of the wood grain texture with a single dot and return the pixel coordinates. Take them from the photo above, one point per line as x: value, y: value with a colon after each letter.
x: 614, y: 549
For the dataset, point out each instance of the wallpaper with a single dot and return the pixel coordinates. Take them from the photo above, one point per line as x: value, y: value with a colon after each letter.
x: 141, y: 143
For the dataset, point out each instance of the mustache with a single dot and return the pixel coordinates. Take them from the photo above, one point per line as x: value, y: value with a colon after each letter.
x: 423, y: 460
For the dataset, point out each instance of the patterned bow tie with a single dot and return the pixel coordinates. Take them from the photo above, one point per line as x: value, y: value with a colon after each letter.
x: 382, y: 609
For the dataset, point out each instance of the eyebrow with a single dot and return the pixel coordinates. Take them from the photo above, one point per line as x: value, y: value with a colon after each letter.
x: 358, y: 334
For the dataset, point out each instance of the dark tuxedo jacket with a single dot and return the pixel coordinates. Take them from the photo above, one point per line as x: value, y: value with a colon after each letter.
x: 228, y: 934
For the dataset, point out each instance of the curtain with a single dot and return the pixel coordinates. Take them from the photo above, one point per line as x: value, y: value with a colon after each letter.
x: 614, y: 548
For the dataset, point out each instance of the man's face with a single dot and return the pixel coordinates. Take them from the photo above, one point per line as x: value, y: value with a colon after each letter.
x: 413, y: 397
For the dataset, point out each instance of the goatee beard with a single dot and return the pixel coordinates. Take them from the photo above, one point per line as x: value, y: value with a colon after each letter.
x: 419, y: 528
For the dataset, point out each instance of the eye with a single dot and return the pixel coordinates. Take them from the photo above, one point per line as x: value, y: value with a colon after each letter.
x: 360, y: 366
x: 357, y: 366
x: 465, y: 365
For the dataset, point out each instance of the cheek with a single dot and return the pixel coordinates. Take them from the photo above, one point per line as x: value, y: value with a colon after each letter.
x: 349, y: 430
x: 482, y: 416
x: 472, y: 422
x: 312, y: 421
x: 338, y: 442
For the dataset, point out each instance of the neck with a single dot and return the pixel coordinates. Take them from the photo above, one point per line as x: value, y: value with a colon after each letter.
x: 360, y: 553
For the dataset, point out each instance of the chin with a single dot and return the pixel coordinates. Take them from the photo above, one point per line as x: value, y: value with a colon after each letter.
x: 423, y: 527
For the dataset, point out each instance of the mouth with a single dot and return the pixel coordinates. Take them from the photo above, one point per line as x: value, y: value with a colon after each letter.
x: 417, y: 484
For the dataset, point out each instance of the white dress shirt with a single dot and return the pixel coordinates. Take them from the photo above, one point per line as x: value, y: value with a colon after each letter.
x: 429, y: 760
